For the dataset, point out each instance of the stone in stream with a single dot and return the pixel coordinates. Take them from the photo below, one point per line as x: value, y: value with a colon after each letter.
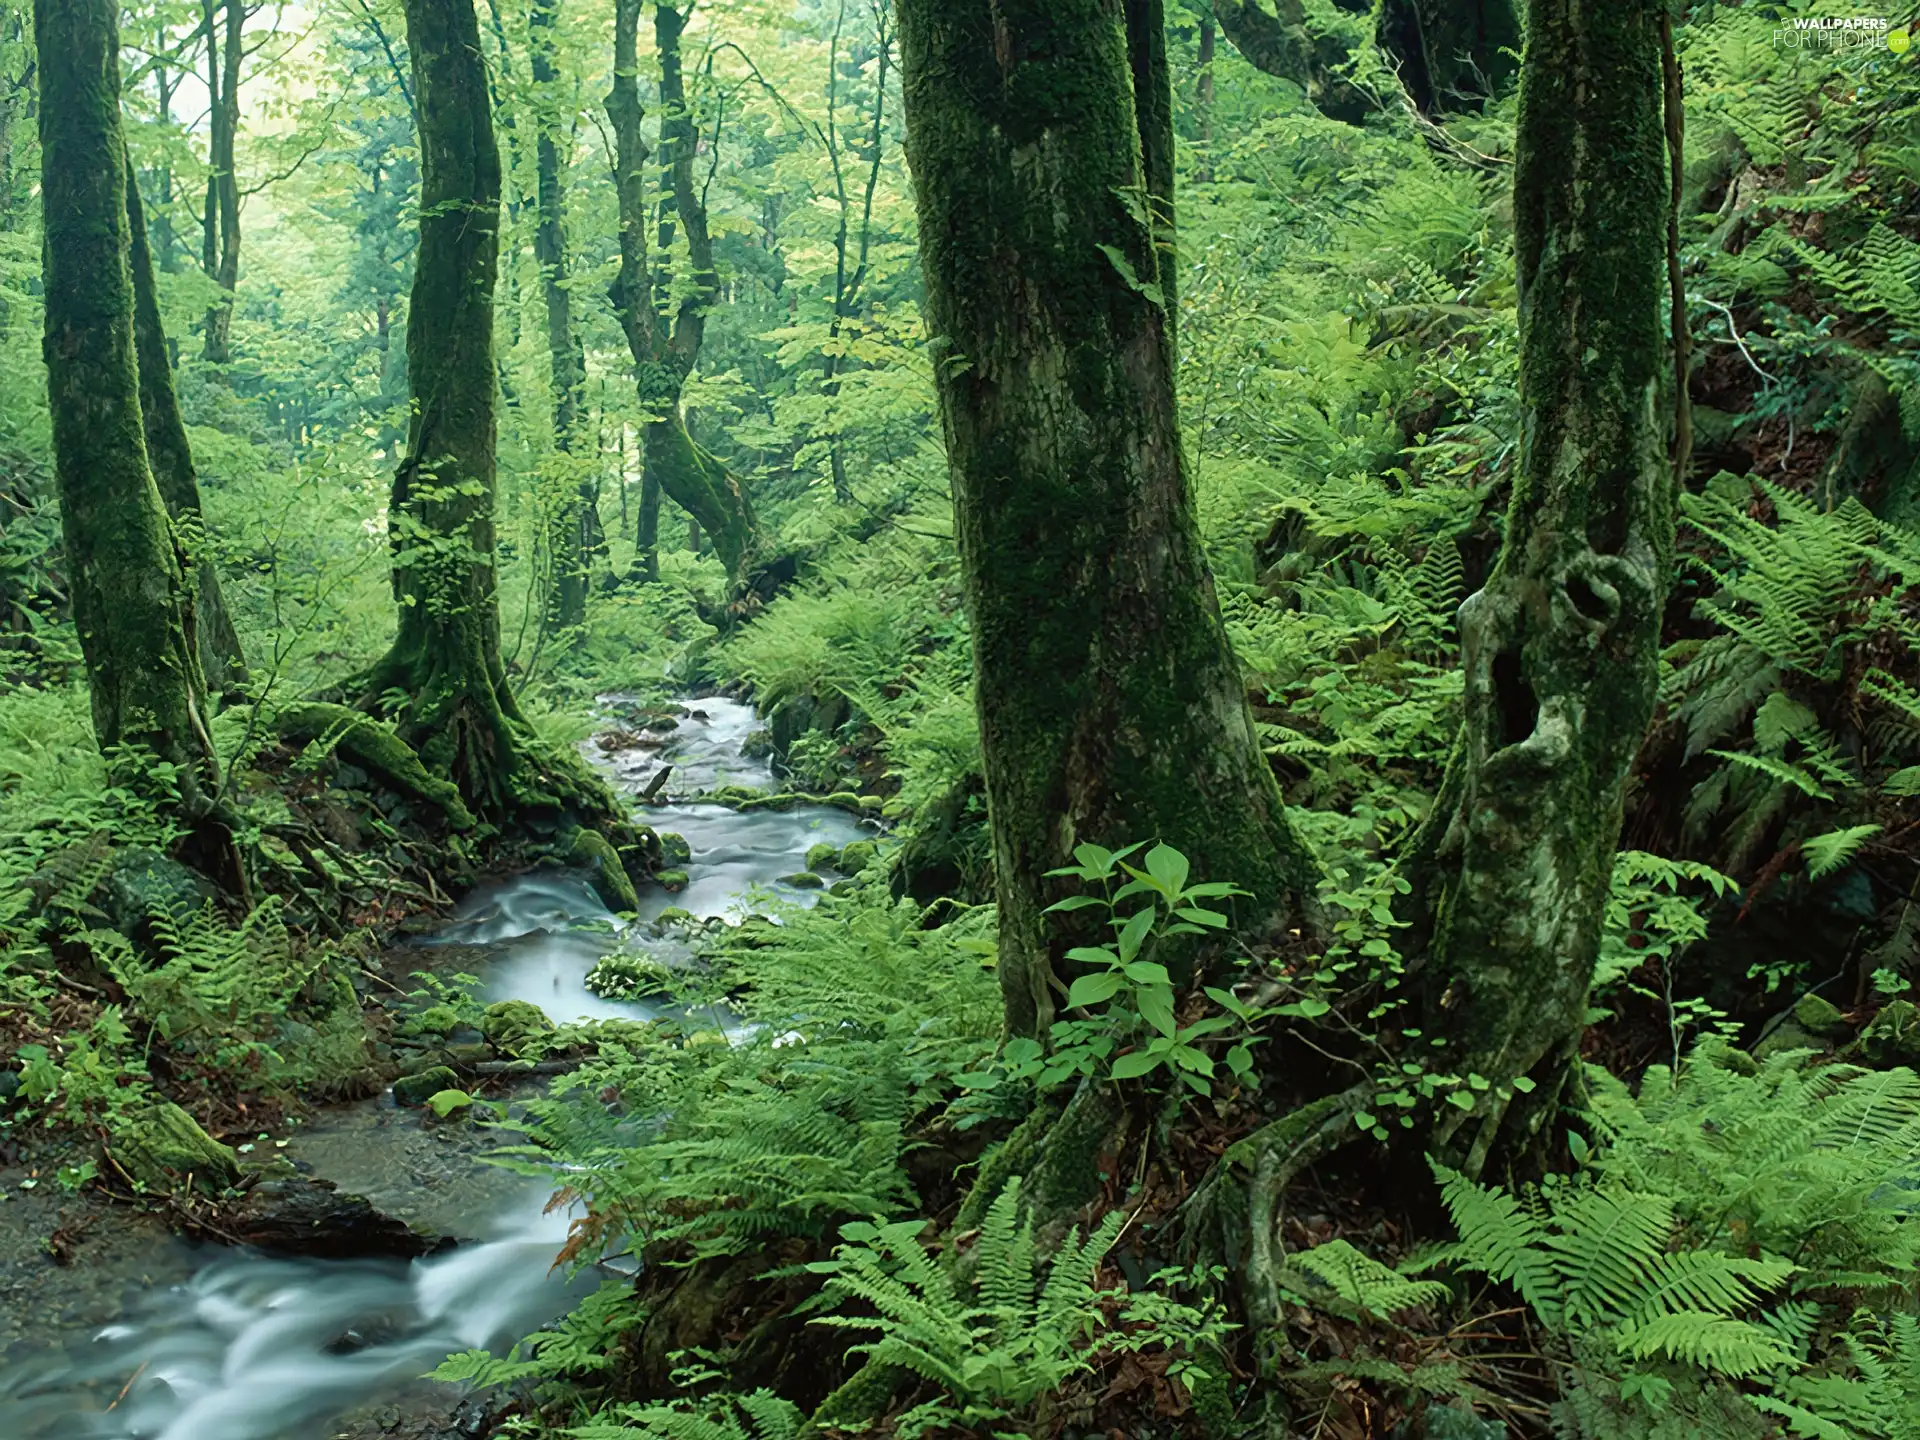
x: 593, y: 852
x: 311, y: 1217
x: 513, y: 1027
x: 672, y: 879
x: 411, y: 1091
x: 855, y: 856
x: 803, y: 880
x: 822, y: 856
x: 674, y: 849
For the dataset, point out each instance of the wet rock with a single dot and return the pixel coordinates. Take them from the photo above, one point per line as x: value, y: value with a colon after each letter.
x: 758, y: 745
x: 1894, y: 1036
x: 514, y: 1027
x: 803, y: 880
x: 593, y: 852
x: 674, y: 915
x: 163, y: 1146
x: 672, y: 879
x: 855, y: 856
x: 674, y: 849
x: 1820, y: 1016
x: 411, y: 1091
x: 310, y: 1217
x: 142, y: 880
x: 821, y: 856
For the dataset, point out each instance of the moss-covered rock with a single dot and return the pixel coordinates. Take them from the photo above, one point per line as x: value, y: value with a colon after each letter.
x: 1894, y: 1036
x: 758, y: 745
x: 141, y: 881
x: 412, y: 1091
x: 163, y: 1147
x: 855, y: 857
x: 672, y: 880
x: 515, y: 1026
x: 1819, y: 1016
x: 803, y: 880
x: 822, y: 856
x: 593, y: 852
x: 674, y: 849
x: 674, y: 915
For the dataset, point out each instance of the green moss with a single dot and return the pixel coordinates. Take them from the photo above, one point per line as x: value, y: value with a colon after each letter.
x: 1820, y: 1016
x: 515, y: 1027
x: 672, y: 880
x: 413, y: 1091
x: 163, y: 1146
x: 591, y: 851
x: 822, y: 856
x: 376, y: 748
x: 803, y: 880
x: 855, y: 857
x: 674, y: 849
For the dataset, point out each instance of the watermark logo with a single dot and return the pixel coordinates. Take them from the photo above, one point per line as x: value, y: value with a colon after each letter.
x: 1849, y: 32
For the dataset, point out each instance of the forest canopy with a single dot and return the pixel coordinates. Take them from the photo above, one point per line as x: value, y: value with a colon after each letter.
x: 1060, y: 718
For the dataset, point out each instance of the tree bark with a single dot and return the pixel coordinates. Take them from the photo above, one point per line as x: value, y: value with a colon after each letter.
x: 221, y: 253
x: 125, y: 577
x: 1449, y: 53
x: 455, y: 705
x: 1112, y: 709
x: 1562, y: 645
x: 571, y: 533
x: 222, y: 664
x: 665, y: 351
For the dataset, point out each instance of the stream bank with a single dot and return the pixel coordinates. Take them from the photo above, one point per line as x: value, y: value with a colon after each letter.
x: 146, y: 1337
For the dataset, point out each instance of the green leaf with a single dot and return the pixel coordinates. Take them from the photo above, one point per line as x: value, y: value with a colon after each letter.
x: 1074, y: 902
x: 1460, y: 1100
x: 1147, y: 972
x: 1134, y: 934
x: 1212, y: 919
x: 1093, y: 989
x: 1169, y: 867
x: 1133, y: 1066
x: 1156, y: 1007
x: 1127, y: 273
x: 1228, y: 1001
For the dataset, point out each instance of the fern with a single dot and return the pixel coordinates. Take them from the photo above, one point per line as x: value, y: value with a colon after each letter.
x: 1018, y: 1330
x: 1596, y: 1261
x: 761, y: 1415
x: 1356, y: 1280
x: 1828, y: 853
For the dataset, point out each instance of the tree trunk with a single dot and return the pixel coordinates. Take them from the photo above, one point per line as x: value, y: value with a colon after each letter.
x: 1203, y: 98
x: 1112, y: 709
x: 1562, y: 645
x: 570, y: 532
x: 222, y: 254
x: 171, y: 459
x: 646, y: 539
x: 457, y: 709
x: 1448, y: 52
x: 664, y: 352
x: 124, y: 573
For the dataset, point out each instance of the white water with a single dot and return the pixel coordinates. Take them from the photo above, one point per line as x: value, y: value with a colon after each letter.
x: 255, y: 1347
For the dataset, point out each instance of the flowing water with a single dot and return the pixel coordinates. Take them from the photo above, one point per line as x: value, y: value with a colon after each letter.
x: 255, y: 1347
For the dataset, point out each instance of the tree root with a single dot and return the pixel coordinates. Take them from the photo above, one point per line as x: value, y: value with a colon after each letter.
x: 1234, y: 1213
x: 377, y: 748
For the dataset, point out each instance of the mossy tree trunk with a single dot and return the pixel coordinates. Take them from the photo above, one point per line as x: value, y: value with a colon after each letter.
x: 222, y: 664
x: 129, y: 595
x: 454, y: 703
x: 1111, y: 706
x: 665, y: 341
x: 220, y: 223
x: 572, y: 534
x: 1561, y: 646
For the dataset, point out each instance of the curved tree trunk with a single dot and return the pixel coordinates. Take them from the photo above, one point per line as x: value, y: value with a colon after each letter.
x: 665, y: 351
x: 126, y: 584
x: 221, y: 661
x: 1561, y: 646
x: 1111, y: 706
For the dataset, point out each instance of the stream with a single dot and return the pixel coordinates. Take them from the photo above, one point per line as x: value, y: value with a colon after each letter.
x: 210, y: 1343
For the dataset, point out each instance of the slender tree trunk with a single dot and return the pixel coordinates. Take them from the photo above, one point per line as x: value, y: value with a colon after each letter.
x: 664, y: 351
x: 571, y: 535
x: 1112, y: 709
x: 171, y: 459
x: 125, y: 577
x: 1562, y: 645
x: 1203, y: 97
x: 222, y: 255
